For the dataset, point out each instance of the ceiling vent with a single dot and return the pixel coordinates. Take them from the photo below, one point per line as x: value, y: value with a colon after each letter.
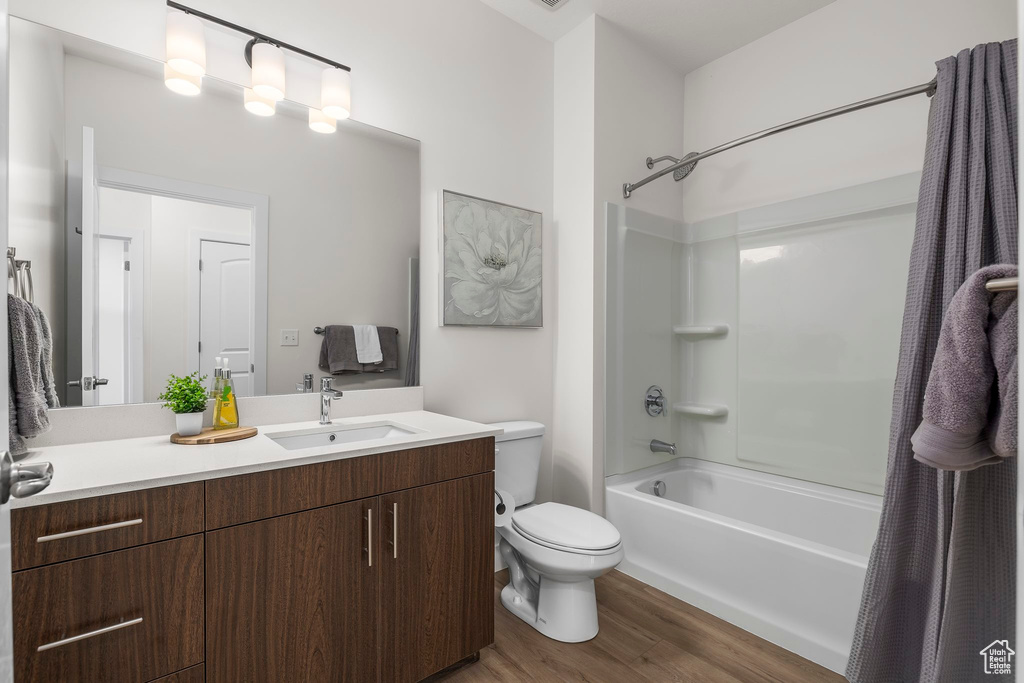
x: 552, y: 4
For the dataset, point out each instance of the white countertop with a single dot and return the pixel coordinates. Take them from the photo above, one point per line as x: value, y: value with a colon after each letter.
x: 101, y: 468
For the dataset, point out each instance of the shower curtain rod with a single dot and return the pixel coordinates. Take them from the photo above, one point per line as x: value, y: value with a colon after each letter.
x: 683, y: 167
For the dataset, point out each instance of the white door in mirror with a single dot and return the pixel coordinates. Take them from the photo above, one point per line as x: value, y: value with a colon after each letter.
x: 224, y: 326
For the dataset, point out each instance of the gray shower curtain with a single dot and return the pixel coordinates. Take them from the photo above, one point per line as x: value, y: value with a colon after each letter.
x: 940, y: 583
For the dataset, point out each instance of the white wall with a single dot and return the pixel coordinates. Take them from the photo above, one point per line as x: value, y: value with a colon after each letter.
x: 615, y: 104
x: 474, y: 88
x: 847, y: 51
x: 37, y: 175
x: 574, y: 224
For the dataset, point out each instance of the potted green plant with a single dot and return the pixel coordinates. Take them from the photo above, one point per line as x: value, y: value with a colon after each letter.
x: 186, y: 397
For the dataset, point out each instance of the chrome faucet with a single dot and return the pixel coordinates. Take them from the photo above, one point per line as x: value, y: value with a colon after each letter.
x: 327, y: 394
x: 662, y: 447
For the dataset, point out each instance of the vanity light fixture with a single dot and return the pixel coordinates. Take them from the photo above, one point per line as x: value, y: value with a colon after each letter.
x: 267, y: 62
x: 181, y: 83
x: 186, y: 45
x: 258, y: 105
x: 336, y: 93
x: 321, y: 122
x: 265, y: 55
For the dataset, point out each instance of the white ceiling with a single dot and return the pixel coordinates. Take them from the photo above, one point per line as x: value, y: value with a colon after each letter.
x: 686, y: 33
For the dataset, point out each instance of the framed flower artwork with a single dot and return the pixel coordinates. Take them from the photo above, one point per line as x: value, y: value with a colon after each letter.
x: 493, y: 265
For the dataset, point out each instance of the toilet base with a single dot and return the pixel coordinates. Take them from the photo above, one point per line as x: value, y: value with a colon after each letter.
x: 566, y: 612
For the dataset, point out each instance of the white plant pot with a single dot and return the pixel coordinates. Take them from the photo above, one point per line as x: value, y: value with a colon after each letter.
x: 189, y: 424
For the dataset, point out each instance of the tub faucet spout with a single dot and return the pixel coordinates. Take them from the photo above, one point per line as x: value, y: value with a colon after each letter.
x: 662, y: 447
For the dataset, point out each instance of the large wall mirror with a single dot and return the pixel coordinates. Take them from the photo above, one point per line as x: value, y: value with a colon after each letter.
x: 157, y: 232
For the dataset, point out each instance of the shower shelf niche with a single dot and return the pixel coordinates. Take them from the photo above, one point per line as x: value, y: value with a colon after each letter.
x: 701, y: 331
x: 701, y: 409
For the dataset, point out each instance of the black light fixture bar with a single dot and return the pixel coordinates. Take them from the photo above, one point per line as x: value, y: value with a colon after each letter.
x: 255, y: 35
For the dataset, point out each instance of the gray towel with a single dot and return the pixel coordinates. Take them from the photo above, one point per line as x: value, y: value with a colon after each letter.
x: 970, y: 403
x: 338, y: 351
x: 388, y: 349
x: 26, y: 399
x: 46, y: 360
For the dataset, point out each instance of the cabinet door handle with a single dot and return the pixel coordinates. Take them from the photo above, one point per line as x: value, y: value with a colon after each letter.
x: 89, y: 530
x: 369, y: 536
x: 90, y: 634
x: 394, y: 531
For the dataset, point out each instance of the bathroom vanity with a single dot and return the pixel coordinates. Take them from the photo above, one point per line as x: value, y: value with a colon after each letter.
x: 368, y: 561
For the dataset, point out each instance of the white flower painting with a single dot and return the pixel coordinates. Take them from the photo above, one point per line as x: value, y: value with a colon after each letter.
x: 493, y: 267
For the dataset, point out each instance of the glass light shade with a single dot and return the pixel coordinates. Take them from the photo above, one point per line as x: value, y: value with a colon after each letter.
x: 186, y: 45
x: 336, y: 93
x: 183, y: 84
x: 268, y: 71
x: 260, y: 106
x: 321, y: 122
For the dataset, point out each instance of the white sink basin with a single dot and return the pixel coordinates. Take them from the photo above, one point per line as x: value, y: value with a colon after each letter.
x: 333, y: 435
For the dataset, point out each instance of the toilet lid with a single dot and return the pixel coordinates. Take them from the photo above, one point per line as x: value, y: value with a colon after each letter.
x: 566, y: 526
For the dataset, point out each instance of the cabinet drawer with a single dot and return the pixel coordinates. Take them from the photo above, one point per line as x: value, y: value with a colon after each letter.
x: 194, y: 674
x: 128, y: 616
x: 45, y: 534
x: 251, y: 497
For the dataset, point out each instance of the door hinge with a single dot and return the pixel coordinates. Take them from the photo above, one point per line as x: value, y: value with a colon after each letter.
x: 252, y: 367
x: 200, y: 265
x: 127, y: 265
x: 200, y: 347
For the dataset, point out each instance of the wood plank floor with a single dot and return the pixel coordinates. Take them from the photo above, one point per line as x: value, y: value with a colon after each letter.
x: 646, y: 635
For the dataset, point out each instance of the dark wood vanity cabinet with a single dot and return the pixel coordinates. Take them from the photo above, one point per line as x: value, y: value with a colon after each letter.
x: 437, y: 571
x: 377, y: 569
x: 294, y: 598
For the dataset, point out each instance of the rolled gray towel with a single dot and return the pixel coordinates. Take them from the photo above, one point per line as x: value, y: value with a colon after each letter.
x: 970, y: 403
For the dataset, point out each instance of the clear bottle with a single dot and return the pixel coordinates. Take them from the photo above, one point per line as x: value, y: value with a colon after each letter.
x: 215, y: 383
x: 225, y: 408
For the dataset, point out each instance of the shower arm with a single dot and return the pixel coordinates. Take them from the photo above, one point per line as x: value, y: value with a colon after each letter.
x: 627, y: 188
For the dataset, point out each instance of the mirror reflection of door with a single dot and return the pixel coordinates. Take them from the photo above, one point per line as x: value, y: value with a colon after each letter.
x: 224, y: 317
x: 119, y: 317
x: 89, y: 219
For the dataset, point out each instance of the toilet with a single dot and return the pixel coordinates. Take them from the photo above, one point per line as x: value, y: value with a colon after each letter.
x: 553, y: 551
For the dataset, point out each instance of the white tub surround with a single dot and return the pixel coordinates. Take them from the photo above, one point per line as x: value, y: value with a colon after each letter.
x: 98, y: 468
x: 782, y: 558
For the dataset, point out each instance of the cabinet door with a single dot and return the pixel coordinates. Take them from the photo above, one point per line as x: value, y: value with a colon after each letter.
x: 437, y: 570
x: 294, y: 598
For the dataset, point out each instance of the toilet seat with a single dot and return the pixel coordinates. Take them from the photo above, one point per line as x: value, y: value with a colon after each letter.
x: 567, y: 529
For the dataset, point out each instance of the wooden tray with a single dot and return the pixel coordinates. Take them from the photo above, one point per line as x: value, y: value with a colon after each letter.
x: 210, y: 435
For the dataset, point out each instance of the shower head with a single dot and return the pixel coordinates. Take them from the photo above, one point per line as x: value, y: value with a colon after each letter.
x: 686, y: 170
x: 680, y: 172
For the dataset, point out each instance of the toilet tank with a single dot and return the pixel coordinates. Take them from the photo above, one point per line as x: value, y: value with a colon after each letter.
x: 517, y: 459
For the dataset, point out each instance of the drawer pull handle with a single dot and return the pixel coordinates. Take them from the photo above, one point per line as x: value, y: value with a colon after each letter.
x: 90, y: 530
x: 394, y: 531
x: 90, y: 634
x: 369, y: 536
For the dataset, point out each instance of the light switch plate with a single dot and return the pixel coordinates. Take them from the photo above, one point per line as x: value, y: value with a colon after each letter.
x: 289, y: 337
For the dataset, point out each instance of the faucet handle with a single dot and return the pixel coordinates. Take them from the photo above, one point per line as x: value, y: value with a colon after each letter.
x: 325, y: 383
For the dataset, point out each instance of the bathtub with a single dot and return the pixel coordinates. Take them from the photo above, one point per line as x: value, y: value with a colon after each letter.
x: 782, y: 558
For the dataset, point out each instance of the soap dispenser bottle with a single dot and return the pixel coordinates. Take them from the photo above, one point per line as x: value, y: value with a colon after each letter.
x: 216, y: 381
x: 225, y: 409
